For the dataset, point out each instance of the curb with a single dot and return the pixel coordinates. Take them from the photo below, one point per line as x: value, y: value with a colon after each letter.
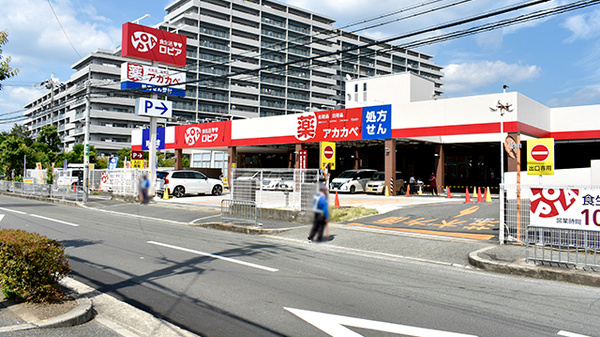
x: 521, y: 268
x: 81, y: 314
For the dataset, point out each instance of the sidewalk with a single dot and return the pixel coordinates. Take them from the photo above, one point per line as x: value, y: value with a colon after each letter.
x: 115, y: 318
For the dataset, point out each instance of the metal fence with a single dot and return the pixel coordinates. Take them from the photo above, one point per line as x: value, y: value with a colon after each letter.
x: 563, y: 246
x: 275, y: 188
x: 239, y: 210
x: 73, y: 193
x: 569, y: 246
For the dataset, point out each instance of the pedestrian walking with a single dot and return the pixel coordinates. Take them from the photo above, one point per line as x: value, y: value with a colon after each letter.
x: 144, y: 188
x: 433, y: 183
x: 321, y: 211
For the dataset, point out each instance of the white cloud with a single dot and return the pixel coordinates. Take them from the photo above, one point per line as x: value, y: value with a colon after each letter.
x: 584, y: 96
x: 465, y: 78
x: 584, y: 26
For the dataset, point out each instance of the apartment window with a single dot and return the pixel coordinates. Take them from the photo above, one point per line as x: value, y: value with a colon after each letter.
x: 201, y: 159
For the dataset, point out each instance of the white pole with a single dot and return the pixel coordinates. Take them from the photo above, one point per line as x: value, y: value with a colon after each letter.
x: 86, y: 138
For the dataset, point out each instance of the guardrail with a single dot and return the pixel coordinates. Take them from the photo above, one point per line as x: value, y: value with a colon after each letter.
x: 239, y: 210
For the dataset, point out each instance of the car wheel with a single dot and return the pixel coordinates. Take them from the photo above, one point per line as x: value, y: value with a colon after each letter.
x: 217, y: 190
x: 178, y: 191
x: 352, y: 189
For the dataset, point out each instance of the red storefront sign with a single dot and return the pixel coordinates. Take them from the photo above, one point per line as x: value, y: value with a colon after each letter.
x: 152, y: 44
x: 330, y: 125
x: 213, y: 134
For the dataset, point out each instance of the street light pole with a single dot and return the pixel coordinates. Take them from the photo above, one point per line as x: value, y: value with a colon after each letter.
x: 86, y: 138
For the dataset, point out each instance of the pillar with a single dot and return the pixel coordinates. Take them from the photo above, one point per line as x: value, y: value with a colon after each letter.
x: 390, y: 166
x: 512, y: 154
x: 299, y: 147
x: 232, y: 163
x: 179, y: 159
x: 356, y: 159
x: 440, y: 167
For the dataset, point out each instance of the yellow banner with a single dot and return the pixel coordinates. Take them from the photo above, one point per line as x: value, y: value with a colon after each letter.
x: 540, y: 156
x: 327, y: 150
x: 137, y: 163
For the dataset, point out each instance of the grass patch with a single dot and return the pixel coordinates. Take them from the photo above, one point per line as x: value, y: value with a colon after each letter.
x: 349, y: 213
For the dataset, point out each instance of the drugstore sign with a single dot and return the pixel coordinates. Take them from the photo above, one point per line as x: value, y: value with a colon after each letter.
x: 153, y: 44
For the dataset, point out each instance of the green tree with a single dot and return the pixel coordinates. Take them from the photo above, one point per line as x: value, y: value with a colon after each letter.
x: 47, y: 145
x: 76, y: 156
x: 13, y: 150
x: 5, y: 70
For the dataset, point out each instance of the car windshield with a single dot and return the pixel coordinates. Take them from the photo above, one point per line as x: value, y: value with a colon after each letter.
x: 378, y: 176
x: 347, y: 174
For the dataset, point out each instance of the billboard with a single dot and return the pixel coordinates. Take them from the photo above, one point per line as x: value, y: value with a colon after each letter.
x: 152, y: 79
x: 565, y: 208
x: 146, y: 43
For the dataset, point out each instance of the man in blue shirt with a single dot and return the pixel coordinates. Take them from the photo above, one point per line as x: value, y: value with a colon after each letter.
x: 321, y: 211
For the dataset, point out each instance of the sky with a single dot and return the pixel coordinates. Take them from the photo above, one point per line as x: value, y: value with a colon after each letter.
x: 555, y: 61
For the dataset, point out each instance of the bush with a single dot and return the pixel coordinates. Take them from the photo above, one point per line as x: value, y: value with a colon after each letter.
x: 32, y: 265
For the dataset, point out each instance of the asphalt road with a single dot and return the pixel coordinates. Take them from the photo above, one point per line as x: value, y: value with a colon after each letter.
x: 219, y: 283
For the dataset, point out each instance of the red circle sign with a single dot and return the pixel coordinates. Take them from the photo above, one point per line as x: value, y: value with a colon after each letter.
x: 328, y: 152
x: 540, y: 152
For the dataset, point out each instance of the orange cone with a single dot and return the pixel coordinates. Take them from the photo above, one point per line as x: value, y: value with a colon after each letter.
x: 468, y: 197
x: 337, y: 200
x: 479, y: 195
x: 408, y: 191
x: 485, y: 194
x: 449, y: 195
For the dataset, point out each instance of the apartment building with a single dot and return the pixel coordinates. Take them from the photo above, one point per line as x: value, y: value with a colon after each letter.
x: 245, y: 58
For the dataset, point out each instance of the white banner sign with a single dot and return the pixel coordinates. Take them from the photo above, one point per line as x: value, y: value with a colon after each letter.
x: 565, y: 208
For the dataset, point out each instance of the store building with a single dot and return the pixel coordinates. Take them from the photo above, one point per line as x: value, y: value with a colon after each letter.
x: 225, y: 38
x: 409, y: 130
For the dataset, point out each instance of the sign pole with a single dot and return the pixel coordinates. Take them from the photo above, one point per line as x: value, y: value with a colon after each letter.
x: 152, y: 156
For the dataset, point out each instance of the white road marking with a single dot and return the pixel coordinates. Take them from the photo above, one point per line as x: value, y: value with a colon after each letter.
x: 1, y: 217
x: 50, y: 219
x: 570, y: 334
x: 206, y: 217
x: 12, y: 210
x: 333, y: 325
x: 228, y: 259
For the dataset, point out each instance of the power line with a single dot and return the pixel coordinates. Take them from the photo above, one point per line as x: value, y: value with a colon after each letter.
x: 63, y: 29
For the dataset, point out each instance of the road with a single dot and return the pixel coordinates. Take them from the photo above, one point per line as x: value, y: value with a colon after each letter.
x: 218, y: 283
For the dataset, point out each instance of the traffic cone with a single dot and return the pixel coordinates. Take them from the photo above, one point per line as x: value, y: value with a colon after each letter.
x: 467, y: 198
x: 387, y: 192
x: 479, y: 195
x: 408, y: 191
x: 420, y: 190
x: 488, y: 195
x: 449, y: 195
x: 337, y: 200
x: 166, y: 194
x: 474, y: 192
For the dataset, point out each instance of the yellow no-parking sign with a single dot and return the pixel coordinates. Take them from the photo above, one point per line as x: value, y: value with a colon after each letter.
x: 540, y: 156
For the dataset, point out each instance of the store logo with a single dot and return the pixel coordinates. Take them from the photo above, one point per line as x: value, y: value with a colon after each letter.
x: 143, y: 42
x: 548, y: 203
x: 192, y: 135
x: 307, y: 127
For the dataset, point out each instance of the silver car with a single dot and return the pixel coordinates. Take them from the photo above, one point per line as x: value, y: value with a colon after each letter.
x: 182, y: 182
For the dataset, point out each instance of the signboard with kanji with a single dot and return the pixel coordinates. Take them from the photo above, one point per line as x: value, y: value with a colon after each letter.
x: 203, y: 135
x: 153, y: 44
x: 330, y: 125
x: 152, y: 79
x: 160, y: 139
x: 377, y: 122
x: 565, y: 208
x: 540, y: 156
x: 327, y: 157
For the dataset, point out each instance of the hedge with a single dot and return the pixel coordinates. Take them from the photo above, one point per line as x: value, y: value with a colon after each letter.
x: 32, y: 265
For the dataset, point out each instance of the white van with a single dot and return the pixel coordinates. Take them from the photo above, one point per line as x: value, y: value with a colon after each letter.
x: 351, y: 181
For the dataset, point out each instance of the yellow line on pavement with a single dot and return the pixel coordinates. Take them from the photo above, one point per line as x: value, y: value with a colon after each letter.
x: 422, y: 231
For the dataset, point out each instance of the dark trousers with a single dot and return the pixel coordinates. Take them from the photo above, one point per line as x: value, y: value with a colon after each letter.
x: 318, y: 227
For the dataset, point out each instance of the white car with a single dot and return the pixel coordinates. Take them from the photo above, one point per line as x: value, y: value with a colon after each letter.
x: 184, y: 182
x: 351, y: 181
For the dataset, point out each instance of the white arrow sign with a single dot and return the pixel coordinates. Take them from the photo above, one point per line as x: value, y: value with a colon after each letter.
x: 334, y: 325
x: 153, y: 107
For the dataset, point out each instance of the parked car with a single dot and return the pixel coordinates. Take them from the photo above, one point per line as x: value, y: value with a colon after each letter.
x: 377, y: 183
x: 271, y: 180
x: 70, y: 177
x: 182, y: 182
x: 351, y: 181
